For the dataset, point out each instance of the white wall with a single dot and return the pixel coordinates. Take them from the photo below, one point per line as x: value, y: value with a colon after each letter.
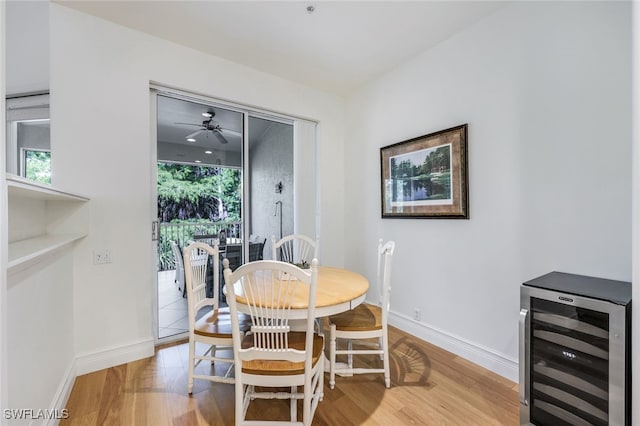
x: 545, y: 89
x: 100, y: 137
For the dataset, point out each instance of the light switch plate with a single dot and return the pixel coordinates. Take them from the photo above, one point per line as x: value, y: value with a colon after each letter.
x: 101, y: 257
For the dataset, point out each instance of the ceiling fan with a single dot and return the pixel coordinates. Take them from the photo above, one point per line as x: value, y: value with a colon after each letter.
x: 209, y: 125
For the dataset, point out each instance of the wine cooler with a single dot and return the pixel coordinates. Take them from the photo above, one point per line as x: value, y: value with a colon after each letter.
x: 575, y: 351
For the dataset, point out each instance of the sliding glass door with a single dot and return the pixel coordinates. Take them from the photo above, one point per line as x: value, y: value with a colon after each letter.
x: 223, y: 172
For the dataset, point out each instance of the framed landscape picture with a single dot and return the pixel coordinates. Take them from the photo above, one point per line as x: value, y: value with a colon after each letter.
x: 426, y: 177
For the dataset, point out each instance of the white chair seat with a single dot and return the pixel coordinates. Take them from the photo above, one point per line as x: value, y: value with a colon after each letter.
x: 364, y: 317
x: 217, y: 323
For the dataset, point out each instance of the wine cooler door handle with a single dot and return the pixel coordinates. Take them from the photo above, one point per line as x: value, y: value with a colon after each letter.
x: 524, y: 331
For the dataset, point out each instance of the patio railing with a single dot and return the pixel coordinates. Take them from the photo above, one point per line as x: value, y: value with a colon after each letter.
x: 181, y: 233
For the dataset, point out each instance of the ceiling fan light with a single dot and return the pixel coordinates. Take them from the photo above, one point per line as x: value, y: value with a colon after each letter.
x: 208, y: 152
x: 191, y: 140
x: 207, y: 114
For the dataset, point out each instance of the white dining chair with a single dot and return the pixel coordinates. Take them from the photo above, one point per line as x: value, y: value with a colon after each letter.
x: 299, y: 250
x: 213, y: 329
x: 364, y: 322
x: 272, y: 355
x: 295, y: 248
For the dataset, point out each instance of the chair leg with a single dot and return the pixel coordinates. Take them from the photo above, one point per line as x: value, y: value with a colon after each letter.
x: 294, y: 404
x: 321, y: 381
x: 192, y: 355
x: 306, y: 403
x: 248, y: 395
x: 332, y: 356
x: 350, y: 355
x: 385, y: 355
x: 241, y: 398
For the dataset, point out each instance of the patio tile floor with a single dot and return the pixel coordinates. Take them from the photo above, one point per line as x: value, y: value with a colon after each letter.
x: 172, y: 307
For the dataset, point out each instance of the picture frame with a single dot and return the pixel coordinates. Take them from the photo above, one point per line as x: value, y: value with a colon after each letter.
x: 426, y: 177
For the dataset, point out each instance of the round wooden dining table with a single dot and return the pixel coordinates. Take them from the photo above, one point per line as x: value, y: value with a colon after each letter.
x: 338, y: 290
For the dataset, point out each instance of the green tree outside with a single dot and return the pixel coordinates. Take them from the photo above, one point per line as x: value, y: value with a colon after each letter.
x: 192, y: 193
x: 197, y: 196
x: 38, y: 166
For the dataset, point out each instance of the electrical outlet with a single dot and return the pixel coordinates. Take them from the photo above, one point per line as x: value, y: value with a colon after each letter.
x: 101, y: 257
x: 417, y: 315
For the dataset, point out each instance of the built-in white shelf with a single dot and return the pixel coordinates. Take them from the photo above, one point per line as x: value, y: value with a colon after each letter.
x: 23, y: 254
x: 53, y: 206
x: 21, y: 187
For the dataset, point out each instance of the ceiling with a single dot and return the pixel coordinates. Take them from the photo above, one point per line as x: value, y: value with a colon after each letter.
x: 336, y: 48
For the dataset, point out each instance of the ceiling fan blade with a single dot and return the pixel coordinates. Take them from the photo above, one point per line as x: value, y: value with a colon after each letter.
x: 220, y: 137
x: 230, y: 132
x: 196, y: 133
x: 190, y: 124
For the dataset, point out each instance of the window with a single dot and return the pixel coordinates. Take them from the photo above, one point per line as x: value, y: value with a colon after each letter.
x: 36, y: 165
x: 28, y: 137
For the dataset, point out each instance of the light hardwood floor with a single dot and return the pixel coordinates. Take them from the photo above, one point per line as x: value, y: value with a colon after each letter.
x: 429, y: 386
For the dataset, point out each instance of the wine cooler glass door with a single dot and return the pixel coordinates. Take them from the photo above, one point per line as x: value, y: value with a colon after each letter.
x: 569, y: 371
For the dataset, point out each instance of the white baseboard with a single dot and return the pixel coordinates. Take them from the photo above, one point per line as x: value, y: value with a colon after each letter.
x: 112, y: 356
x: 477, y: 354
